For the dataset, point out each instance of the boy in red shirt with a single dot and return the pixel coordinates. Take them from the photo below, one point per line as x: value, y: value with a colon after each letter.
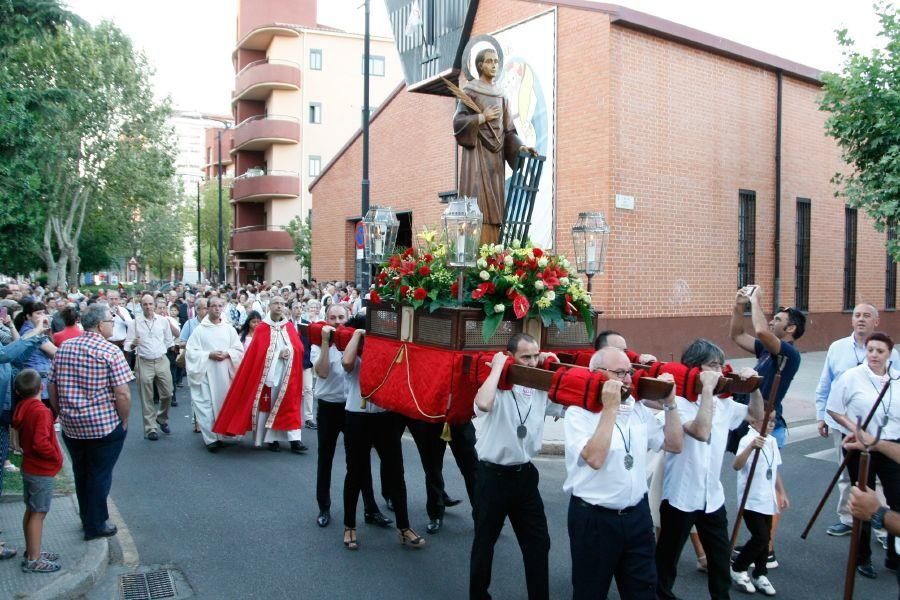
x: 41, y: 462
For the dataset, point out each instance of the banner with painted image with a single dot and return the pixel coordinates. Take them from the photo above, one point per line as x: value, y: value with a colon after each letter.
x: 528, y: 78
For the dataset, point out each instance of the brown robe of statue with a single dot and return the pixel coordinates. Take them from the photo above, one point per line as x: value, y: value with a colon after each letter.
x: 484, y: 148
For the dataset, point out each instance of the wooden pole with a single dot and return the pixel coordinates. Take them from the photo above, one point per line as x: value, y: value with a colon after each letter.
x: 770, y: 406
x: 837, y: 475
x: 850, y: 578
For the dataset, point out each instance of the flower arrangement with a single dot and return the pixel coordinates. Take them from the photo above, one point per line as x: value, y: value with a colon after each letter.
x: 522, y: 279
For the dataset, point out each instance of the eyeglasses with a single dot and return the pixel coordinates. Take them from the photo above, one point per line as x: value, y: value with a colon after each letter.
x: 621, y: 373
x: 108, y: 321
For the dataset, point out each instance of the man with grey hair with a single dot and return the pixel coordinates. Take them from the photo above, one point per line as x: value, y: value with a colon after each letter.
x: 150, y: 336
x: 845, y: 354
x: 121, y: 319
x: 88, y: 385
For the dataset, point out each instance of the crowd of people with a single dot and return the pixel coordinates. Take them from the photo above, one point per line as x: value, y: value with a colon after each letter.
x: 643, y: 476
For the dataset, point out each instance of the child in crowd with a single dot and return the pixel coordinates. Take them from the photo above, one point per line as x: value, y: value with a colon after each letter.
x: 41, y: 462
x: 766, y: 498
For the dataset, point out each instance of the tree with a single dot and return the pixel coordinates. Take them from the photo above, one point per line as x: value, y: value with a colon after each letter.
x: 209, y: 223
x: 301, y: 234
x: 864, y: 105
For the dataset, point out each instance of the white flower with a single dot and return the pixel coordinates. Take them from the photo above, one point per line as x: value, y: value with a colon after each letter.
x: 530, y: 256
x: 482, y: 263
x: 499, y: 308
x: 538, y: 285
x: 508, y: 260
x: 564, y: 280
x: 542, y: 262
x: 516, y: 244
x: 484, y: 275
x: 550, y: 295
x: 564, y: 263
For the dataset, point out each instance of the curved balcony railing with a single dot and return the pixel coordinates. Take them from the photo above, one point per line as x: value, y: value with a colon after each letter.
x: 259, y: 186
x: 257, y: 80
x: 261, y: 131
x: 259, y: 238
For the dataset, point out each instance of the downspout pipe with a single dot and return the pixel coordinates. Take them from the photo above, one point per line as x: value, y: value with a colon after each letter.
x: 776, y: 272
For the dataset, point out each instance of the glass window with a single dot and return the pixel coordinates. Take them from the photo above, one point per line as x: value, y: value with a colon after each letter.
x: 315, y: 112
x: 315, y: 165
x: 315, y: 59
x: 376, y: 65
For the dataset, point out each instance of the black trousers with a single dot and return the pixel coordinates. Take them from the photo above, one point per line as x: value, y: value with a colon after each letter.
x: 431, y: 452
x: 675, y: 526
x: 330, y: 418
x: 608, y: 543
x: 888, y: 472
x: 509, y: 492
x: 92, y: 465
x: 382, y: 431
x: 756, y: 550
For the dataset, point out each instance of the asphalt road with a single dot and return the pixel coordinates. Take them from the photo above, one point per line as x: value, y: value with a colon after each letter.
x: 241, y: 524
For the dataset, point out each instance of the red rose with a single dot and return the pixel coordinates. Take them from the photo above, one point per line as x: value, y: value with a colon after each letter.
x: 428, y: 258
x: 537, y: 252
x: 404, y: 289
x: 424, y: 271
x: 394, y: 262
x: 520, y: 272
x: 454, y: 289
x: 374, y: 298
x: 420, y: 294
x: 408, y: 253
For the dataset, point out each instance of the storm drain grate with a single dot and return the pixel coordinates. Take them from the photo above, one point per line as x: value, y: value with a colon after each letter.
x: 147, y: 586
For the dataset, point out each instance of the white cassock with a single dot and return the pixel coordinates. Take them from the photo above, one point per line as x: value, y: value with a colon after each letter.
x: 209, y: 379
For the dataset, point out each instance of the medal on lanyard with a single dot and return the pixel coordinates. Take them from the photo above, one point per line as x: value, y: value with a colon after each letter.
x: 522, y: 430
x: 629, y: 459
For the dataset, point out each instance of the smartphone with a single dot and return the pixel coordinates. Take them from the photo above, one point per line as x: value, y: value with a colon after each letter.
x: 4, y: 311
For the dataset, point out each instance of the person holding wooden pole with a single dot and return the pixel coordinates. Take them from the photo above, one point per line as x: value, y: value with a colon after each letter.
x: 853, y: 396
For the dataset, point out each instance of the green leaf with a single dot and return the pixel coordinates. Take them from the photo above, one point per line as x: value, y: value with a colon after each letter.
x: 489, y: 325
x: 588, y: 315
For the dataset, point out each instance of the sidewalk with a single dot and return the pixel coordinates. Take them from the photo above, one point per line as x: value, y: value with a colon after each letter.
x: 83, y: 563
x: 799, y: 402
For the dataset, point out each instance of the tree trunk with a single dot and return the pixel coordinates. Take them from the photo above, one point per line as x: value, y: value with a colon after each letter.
x: 74, y: 265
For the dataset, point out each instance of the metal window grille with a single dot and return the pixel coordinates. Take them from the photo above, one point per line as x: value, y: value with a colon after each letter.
x: 849, y: 257
x: 801, y: 263
x: 746, y: 237
x: 890, y: 274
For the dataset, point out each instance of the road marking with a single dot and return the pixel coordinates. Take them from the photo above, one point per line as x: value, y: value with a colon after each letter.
x: 828, y: 455
x: 130, y: 555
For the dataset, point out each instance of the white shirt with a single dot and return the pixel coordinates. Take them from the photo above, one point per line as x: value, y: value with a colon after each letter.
x: 612, y: 485
x: 334, y: 387
x: 498, y: 441
x: 843, y: 354
x: 854, y: 394
x: 762, y: 490
x: 282, y: 342
x: 155, y: 336
x: 693, y: 477
x: 121, y: 321
x: 354, y: 398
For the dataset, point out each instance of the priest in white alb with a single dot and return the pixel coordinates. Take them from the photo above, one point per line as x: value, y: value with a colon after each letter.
x: 213, y: 354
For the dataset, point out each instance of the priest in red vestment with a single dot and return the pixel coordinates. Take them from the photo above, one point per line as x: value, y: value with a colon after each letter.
x: 267, y: 390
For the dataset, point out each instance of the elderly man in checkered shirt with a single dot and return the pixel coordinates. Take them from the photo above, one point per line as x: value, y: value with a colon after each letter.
x: 89, y: 391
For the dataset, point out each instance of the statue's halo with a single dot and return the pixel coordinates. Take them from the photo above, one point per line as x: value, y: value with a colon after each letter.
x: 476, y: 45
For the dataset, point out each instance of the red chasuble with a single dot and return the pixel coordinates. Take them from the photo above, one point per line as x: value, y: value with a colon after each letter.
x: 241, y: 406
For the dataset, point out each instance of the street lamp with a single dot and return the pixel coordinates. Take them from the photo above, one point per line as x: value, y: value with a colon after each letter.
x: 462, y: 222
x: 380, y: 226
x: 590, y: 235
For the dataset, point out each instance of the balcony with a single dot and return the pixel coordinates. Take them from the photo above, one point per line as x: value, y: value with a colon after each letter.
x: 260, y: 132
x: 261, y: 37
x: 259, y: 238
x: 257, y: 80
x: 257, y: 185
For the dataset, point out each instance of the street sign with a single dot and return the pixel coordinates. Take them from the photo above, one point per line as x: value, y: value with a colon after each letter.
x: 360, y: 236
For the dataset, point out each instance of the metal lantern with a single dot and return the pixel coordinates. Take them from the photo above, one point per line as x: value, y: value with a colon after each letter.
x: 591, y: 236
x: 462, y: 227
x: 381, y: 225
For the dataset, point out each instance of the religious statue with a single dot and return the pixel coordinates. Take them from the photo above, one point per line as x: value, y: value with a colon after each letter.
x: 484, y: 128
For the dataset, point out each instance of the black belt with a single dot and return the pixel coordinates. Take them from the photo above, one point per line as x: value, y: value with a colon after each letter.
x: 504, y: 468
x: 614, y: 511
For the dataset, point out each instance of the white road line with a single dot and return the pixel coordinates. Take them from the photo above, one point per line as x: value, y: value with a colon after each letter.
x: 130, y: 555
x: 828, y: 455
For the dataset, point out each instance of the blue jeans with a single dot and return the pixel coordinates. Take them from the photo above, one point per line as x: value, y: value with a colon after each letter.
x: 4, y: 451
x: 92, y: 464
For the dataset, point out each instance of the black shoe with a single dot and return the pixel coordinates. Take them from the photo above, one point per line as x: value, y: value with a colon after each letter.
x: 434, y: 525
x: 107, y: 531
x: 389, y: 503
x: 298, y: 447
x: 890, y: 563
x: 311, y: 425
x: 214, y: 447
x: 324, y: 518
x: 174, y: 402
x: 450, y: 502
x: 377, y: 518
x: 274, y: 447
x: 867, y: 570
x: 165, y: 428
x: 152, y: 436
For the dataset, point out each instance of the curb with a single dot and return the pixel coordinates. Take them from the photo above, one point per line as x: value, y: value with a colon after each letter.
x: 82, y: 576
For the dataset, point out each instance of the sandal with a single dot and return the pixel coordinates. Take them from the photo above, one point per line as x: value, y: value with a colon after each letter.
x: 412, y: 539
x: 6, y: 553
x: 51, y: 556
x: 40, y: 565
x: 350, y: 540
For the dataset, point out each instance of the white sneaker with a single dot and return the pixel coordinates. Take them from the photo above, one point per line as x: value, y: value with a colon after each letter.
x: 763, y: 585
x: 10, y: 468
x: 742, y: 581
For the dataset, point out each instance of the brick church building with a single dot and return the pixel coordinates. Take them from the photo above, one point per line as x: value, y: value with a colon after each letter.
x: 708, y: 159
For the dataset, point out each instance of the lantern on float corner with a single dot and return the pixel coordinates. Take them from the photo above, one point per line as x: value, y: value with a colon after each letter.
x: 462, y: 222
x: 380, y: 225
x: 590, y: 235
